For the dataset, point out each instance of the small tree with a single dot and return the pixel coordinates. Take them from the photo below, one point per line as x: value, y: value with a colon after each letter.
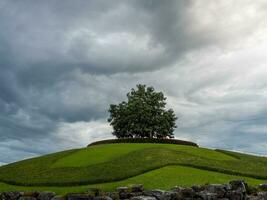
x: 143, y: 115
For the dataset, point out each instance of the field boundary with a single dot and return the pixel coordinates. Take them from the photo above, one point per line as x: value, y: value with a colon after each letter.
x: 81, y: 183
x: 144, y: 140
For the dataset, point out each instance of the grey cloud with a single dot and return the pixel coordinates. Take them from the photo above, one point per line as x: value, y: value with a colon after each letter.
x: 63, y: 63
x: 96, y: 36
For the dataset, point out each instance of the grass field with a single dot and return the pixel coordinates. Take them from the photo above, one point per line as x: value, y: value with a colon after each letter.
x: 163, y: 178
x: 111, y: 165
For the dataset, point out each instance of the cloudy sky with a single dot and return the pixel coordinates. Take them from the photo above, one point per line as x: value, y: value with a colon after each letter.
x: 63, y: 62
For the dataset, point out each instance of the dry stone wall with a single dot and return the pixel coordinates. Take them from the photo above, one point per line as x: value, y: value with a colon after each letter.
x: 234, y: 190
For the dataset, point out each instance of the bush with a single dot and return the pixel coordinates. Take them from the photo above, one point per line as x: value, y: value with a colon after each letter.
x: 144, y: 140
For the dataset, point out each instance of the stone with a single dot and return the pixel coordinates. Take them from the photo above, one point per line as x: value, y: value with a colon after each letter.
x: 58, y: 197
x: 137, y: 188
x: 238, y: 185
x: 30, y: 194
x: 235, y: 195
x: 176, y: 188
x: 143, y: 198
x: 123, y: 192
x: 253, y: 197
x: 78, y: 197
x: 251, y: 190
x: 198, y: 188
x: 10, y: 195
x: 188, y: 193
x: 122, y: 189
x: 27, y: 198
x: 125, y: 195
x: 207, y: 195
x: 134, y: 194
x: 94, y: 191
x: 46, y: 195
x: 262, y: 195
x: 113, y: 195
x: 263, y: 187
x: 158, y: 194
x: 220, y: 190
x: 172, y: 195
x: 102, y: 198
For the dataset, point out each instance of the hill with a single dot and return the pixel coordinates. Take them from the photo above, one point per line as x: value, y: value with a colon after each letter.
x: 107, y: 166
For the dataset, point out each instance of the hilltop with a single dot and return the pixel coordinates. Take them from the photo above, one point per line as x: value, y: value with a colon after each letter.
x: 107, y: 166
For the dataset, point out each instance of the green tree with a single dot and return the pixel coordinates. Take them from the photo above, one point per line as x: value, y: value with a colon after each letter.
x: 143, y: 115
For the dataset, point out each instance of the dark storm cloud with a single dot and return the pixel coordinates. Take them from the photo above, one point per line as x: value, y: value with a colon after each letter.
x: 46, y: 41
x: 61, y: 36
x: 63, y: 62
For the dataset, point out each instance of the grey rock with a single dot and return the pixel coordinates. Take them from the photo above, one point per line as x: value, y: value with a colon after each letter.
x: 172, y: 195
x: 125, y: 195
x: 262, y: 195
x: 79, y: 197
x: 238, y: 185
x: 94, y: 191
x: 122, y: 189
x: 208, y: 195
x: 252, y: 190
x: 30, y: 194
x: 46, y: 195
x: 112, y: 195
x: 143, y: 198
x: 198, y: 188
x: 134, y: 194
x: 228, y: 187
x: 235, y: 195
x: 10, y: 195
x: 137, y: 188
x: 158, y: 194
x: 177, y: 189
x: 263, y: 187
x: 164, y: 195
x: 220, y: 190
x: 253, y: 197
x: 102, y: 198
x: 188, y: 193
x: 27, y: 198
x: 58, y: 197
x: 123, y: 192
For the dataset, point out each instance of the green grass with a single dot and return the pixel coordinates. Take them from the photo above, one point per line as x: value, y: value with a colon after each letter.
x: 98, y: 154
x: 104, y: 153
x: 111, y: 165
x: 163, y: 178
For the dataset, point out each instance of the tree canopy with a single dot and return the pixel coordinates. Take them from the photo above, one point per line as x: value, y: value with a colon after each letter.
x: 143, y: 115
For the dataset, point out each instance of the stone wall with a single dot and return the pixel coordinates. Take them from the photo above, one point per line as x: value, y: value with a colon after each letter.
x: 234, y: 190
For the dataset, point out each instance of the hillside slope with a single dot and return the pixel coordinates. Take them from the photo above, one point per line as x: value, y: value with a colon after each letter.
x: 110, y: 165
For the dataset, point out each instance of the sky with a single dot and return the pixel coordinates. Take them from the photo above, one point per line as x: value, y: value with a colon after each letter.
x: 62, y: 63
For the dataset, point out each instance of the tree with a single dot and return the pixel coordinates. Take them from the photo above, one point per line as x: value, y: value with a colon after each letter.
x: 143, y: 115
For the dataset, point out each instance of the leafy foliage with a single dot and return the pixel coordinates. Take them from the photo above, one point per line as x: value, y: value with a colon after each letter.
x: 143, y: 115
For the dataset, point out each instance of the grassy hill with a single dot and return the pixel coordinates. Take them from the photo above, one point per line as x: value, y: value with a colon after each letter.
x: 110, y: 165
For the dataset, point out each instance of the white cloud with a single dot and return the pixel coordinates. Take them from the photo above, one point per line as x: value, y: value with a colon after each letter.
x: 82, y: 133
x: 62, y: 70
